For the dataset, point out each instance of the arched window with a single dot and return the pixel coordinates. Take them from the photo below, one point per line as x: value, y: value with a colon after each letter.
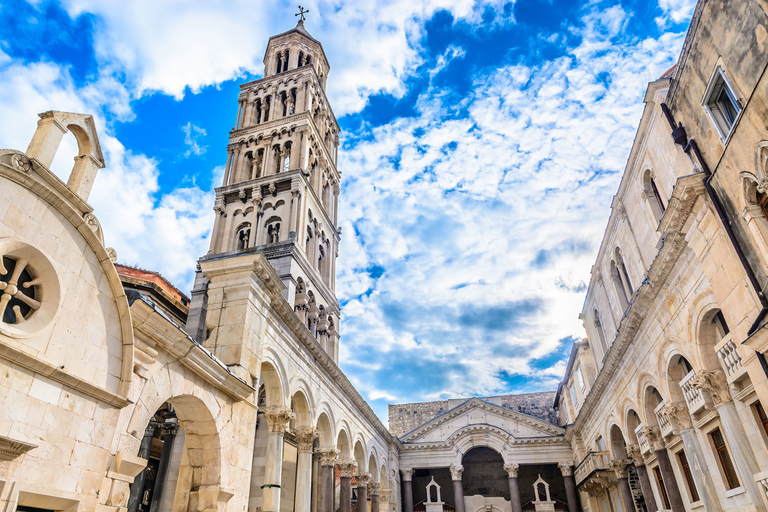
x: 652, y: 195
x: 273, y: 230
x: 292, y: 102
x: 301, y: 58
x: 243, y: 235
x: 267, y: 105
x: 279, y: 61
x: 320, y: 259
x: 720, y: 326
x: 621, y: 292
x: 285, y: 63
x: 308, y: 60
x: 600, y: 331
x: 257, y: 110
x: 624, y: 274
x: 287, y: 157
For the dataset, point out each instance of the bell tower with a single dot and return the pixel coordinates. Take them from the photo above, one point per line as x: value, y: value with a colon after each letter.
x: 281, y: 185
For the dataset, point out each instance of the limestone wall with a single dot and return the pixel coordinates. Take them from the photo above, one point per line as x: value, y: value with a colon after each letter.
x: 405, y: 417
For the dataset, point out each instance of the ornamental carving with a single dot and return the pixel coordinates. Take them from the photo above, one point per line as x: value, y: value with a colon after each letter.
x: 678, y: 416
x: 328, y: 456
x: 305, y: 438
x: 19, y: 290
x: 714, y: 383
x: 653, y: 436
x: 13, y: 448
x: 407, y: 474
x: 634, y: 453
x: 566, y: 468
x: 620, y: 468
x: 347, y: 467
x: 456, y: 471
x: 278, y: 418
x: 375, y: 487
x: 512, y: 470
x: 362, y: 478
x: 21, y: 162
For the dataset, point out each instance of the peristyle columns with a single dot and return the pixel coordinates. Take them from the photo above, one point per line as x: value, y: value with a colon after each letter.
x: 514, y: 487
x: 458, y: 490
x: 346, y: 468
x: 407, y: 490
x: 305, y: 438
x: 362, y: 491
x: 571, y: 496
x: 375, y: 496
x: 277, y: 421
x: 327, y: 463
x: 653, y: 435
x: 633, y: 451
x: 620, y: 468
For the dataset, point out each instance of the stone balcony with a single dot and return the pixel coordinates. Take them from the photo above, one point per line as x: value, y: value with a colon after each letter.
x: 730, y: 359
x: 665, y: 424
x: 642, y: 441
x: 593, y: 463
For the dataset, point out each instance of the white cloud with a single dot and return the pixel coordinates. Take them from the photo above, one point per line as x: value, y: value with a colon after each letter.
x: 192, y: 136
x: 678, y: 11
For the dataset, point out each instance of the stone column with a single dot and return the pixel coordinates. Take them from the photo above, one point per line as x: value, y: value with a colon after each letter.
x: 346, y: 467
x: 277, y: 421
x: 247, y: 114
x: 220, y: 213
x: 681, y: 421
x: 328, y: 465
x: 653, y: 435
x: 228, y: 167
x: 256, y: 215
x: 362, y: 491
x: 375, y: 496
x: 293, y: 225
x: 571, y: 496
x: 407, y: 490
x: 239, y: 114
x: 714, y: 383
x: 620, y: 468
x: 634, y: 453
x: 458, y: 490
x: 514, y: 488
x: 305, y: 438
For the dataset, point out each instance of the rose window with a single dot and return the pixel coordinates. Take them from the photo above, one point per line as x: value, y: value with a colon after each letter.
x: 18, y: 290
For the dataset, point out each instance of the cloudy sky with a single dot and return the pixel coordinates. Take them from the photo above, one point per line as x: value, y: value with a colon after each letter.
x: 481, y: 144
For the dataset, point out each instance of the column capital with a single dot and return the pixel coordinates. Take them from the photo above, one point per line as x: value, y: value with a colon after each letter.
x: 566, y: 468
x: 407, y: 474
x: 362, y: 478
x: 375, y: 487
x: 278, y: 418
x: 347, y: 467
x: 327, y: 456
x: 635, y: 453
x: 714, y: 383
x: 620, y: 467
x: 456, y: 471
x: 512, y: 469
x: 653, y: 436
x: 305, y: 438
x: 678, y: 415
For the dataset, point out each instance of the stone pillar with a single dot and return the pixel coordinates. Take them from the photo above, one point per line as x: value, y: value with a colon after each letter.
x: 305, y: 438
x: 277, y: 421
x: 375, y: 496
x: 681, y: 421
x: 327, y: 477
x: 294, y: 212
x: 620, y: 468
x: 362, y: 491
x: 228, y: 167
x: 407, y: 490
x: 653, y: 435
x: 239, y: 122
x: 634, y: 453
x: 256, y: 215
x: 346, y: 467
x: 571, y: 496
x: 247, y: 113
x: 514, y: 488
x: 714, y: 383
x: 458, y: 490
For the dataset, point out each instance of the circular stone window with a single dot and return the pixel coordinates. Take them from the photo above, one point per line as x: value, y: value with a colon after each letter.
x: 29, y: 289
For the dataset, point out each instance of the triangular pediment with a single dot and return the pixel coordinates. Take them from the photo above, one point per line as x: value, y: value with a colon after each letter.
x: 475, y: 411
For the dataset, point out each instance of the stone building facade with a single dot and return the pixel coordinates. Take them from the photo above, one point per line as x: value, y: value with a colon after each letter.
x: 664, y: 402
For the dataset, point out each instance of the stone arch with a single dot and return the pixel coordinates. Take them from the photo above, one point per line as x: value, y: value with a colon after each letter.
x: 359, y: 454
x: 676, y: 366
x: 632, y: 422
x: 652, y: 397
x: 302, y: 408
x: 343, y: 443
x: 273, y: 377
x: 712, y: 328
x: 324, y: 425
x: 618, y: 443
x: 466, y: 438
x: 383, y: 476
x: 373, y: 466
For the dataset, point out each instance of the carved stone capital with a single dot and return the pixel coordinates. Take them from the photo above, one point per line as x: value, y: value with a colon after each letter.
x: 327, y: 456
x: 278, y: 418
x: 653, y: 436
x: 305, y: 438
x: 634, y: 453
x: 456, y: 471
x: 375, y: 487
x: 407, y: 474
x: 620, y: 468
x: 347, y: 467
x: 678, y: 416
x: 714, y: 383
x: 512, y: 469
x: 362, y: 478
x: 566, y: 468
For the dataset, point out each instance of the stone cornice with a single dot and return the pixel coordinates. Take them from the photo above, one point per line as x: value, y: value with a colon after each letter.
x: 476, y: 403
x: 274, y: 286
x: 687, y: 190
x: 13, y: 448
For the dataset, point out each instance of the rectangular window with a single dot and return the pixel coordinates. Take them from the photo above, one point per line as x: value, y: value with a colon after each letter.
x: 662, y: 489
x: 731, y: 480
x: 616, y: 502
x: 721, y: 104
x: 692, y: 492
x: 580, y: 377
x: 606, y: 506
x: 574, y: 398
x: 761, y: 416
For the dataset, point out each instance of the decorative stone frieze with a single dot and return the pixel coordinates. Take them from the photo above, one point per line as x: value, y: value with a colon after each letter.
x: 12, y: 448
x: 278, y: 418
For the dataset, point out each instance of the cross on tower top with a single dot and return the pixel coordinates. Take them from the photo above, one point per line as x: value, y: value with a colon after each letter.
x: 301, y: 13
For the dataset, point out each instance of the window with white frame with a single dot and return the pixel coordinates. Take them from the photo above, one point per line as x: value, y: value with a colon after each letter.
x: 721, y: 104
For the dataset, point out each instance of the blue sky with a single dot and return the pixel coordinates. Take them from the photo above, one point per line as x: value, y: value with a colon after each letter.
x: 482, y: 142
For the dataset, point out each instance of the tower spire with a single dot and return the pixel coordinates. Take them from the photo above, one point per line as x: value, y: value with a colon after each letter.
x: 301, y: 13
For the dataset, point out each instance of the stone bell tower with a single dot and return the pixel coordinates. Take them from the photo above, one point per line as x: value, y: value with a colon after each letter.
x: 281, y: 185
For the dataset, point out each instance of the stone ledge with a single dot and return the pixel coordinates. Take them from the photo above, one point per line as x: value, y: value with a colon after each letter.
x: 13, y: 448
